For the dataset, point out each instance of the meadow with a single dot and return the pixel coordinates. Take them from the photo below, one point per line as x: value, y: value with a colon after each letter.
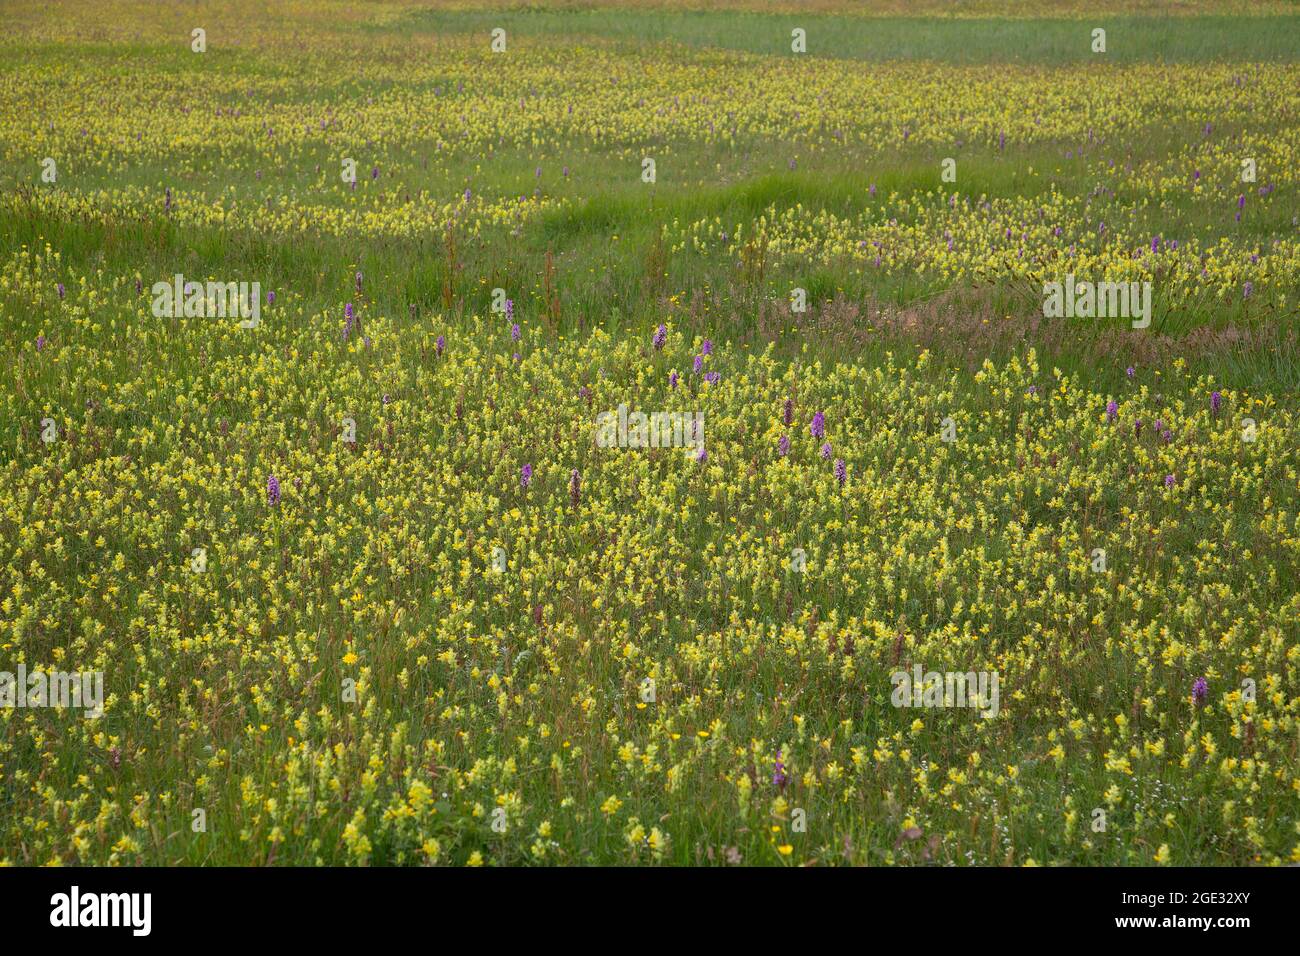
x: 365, y: 588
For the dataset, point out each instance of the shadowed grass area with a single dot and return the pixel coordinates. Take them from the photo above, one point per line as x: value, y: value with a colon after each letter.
x: 622, y: 282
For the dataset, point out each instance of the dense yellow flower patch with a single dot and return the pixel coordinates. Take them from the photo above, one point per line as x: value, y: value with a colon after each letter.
x: 350, y: 678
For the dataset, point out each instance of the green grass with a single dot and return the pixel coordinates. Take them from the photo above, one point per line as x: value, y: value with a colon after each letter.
x: 1030, y: 40
x: 965, y: 555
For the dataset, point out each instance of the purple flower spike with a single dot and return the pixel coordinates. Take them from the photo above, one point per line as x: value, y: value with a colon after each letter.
x: 1200, y: 691
x: 1112, y: 411
x: 661, y: 336
x: 818, y: 426
x: 1215, y: 401
x: 525, y: 476
x: 273, y: 490
x: 783, y: 446
x: 826, y: 451
x: 841, y: 471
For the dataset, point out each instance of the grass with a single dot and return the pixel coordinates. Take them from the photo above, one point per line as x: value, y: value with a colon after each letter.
x: 1129, y: 39
x: 349, y: 679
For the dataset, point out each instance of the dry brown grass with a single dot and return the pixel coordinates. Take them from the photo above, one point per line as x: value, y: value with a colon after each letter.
x: 965, y: 327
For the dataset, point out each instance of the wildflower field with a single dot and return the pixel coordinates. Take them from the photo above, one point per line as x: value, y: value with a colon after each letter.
x: 377, y: 568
